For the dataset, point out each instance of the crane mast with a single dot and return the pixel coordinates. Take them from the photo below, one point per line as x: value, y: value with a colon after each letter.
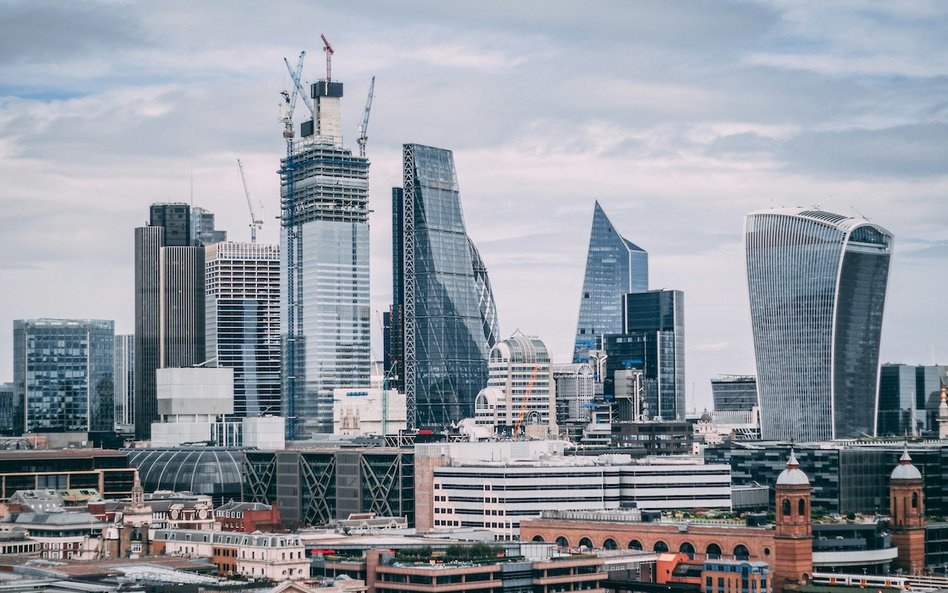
x: 293, y: 251
x: 364, y: 124
x: 255, y: 223
x: 329, y: 52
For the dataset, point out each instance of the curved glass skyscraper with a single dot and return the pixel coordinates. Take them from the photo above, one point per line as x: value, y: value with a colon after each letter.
x: 444, y: 321
x: 614, y: 267
x: 817, y: 284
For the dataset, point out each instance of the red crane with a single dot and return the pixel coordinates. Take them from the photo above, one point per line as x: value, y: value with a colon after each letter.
x: 329, y: 51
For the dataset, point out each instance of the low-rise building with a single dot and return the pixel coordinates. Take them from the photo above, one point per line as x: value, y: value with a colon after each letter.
x: 248, y: 517
x: 17, y: 542
x: 256, y: 556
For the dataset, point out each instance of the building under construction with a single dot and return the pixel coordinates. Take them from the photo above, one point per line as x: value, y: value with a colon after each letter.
x: 325, y: 259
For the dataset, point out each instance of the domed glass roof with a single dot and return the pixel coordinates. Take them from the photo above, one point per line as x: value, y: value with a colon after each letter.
x: 214, y: 471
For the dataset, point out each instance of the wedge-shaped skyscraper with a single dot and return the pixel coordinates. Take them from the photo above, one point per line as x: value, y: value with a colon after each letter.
x: 443, y: 320
x: 614, y: 267
x: 817, y: 284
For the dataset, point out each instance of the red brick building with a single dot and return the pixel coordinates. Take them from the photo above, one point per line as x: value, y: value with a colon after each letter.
x: 248, y: 517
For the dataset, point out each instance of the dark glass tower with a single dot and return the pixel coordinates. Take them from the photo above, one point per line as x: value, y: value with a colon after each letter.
x: 63, y: 374
x: 169, y: 304
x: 442, y: 297
x: 653, y: 341
x: 817, y: 284
x: 614, y: 266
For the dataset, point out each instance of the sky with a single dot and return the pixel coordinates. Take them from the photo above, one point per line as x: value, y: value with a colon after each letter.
x: 680, y: 117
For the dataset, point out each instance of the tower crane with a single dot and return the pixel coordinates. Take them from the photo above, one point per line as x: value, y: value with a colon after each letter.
x: 289, y: 97
x: 298, y: 85
x: 255, y: 222
x: 364, y: 124
x: 329, y: 52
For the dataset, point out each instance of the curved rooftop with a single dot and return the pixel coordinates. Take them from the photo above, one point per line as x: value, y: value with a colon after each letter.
x: 906, y: 470
x: 847, y: 224
x: 792, y: 475
x: 214, y: 471
x: 519, y: 348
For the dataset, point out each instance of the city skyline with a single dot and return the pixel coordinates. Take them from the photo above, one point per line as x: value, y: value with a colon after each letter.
x: 685, y: 120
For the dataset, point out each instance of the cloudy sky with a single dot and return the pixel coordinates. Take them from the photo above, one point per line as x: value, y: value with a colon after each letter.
x: 679, y: 117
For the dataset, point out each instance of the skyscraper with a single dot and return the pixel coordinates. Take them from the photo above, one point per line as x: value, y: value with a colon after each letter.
x: 896, y: 412
x: 653, y: 341
x: 734, y: 393
x: 817, y: 284
x: 62, y: 374
x: 242, y: 300
x: 124, y: 377
x: 614, y: 266
x: 169, y: 304
x: 443, y: 317
x: 325, y: 256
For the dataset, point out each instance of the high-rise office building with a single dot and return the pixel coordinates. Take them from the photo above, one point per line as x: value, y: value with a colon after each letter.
x: 614, y: 266
x: 202, y: 227
x: 8, y: 410
x: 734, y: 393
x: 817, y: 284
x: 928, y: 381
x: 443, y: 317
x: 653, y: 341
x: 897, y: 392
x: 62, y: 374
x: 124, y: 378
x: 520, y: 397
x: 325, y: 253
x: 169, y: 304
x: 242, y: 301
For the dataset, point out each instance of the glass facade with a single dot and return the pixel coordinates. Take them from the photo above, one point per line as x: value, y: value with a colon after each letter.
x: 817, y: 284
x: 63, y: 374
x: 325, y: 192
x: 896, y: 400
x: 614, y: 266
x: 734, y: 393
x: 124, y: 383
x: 447, y: 308
x: 654, y: 342
x: 243, y: 321
x: 212, y: 471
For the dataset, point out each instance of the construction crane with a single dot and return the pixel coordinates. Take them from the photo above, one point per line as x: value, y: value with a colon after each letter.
x: 364, y: 124
x: 289, y: 98
x: 298, y: 85
x: 518, y: 428
x: 293, y: 251
x: 329, y: 52
x: 255, y: 223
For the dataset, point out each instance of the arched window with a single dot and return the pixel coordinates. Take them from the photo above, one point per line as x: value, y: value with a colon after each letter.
x: 635, y: 545
x: 660, y: 547
x: 801, y: 508
x: 610, y: 544
x: 687, y: 548
x: 713, y: 551
x: 562, y: 542
x: 537, y: 538
x: 586, y: 542
x: 741, y: 552
x: 915, y: 500
x: 785, y: 506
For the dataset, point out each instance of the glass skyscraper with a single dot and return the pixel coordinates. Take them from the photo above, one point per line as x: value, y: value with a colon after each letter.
x: 242, y: 304
x: 444, y: 321
x: 817, y: 284
x: 324, y: 253
x: 734, y: 393
x: 63, y: 374
x: 124, y: 377
x: 653, y: 341
x: 614, y: 266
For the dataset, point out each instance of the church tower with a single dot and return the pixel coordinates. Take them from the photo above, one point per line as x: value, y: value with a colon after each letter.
x: 943, y: 414
x: 793, y: 538
x: 907, y: 512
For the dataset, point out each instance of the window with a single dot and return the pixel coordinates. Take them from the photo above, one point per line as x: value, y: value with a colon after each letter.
x: 785, y: 507
x: 801, y: 508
